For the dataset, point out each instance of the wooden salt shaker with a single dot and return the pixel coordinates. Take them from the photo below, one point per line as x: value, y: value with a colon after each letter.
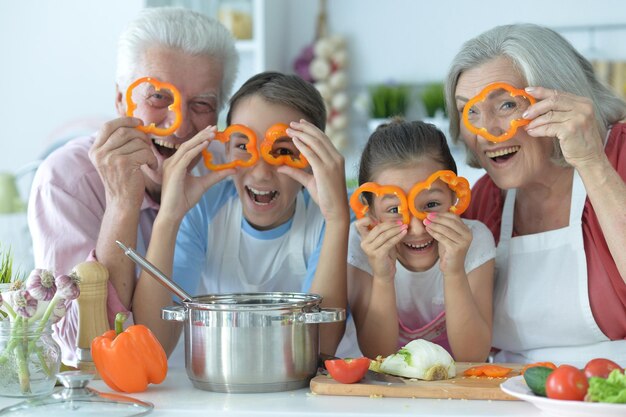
x: 92, y: 309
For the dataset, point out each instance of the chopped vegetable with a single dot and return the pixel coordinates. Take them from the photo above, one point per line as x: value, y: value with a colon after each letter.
x: 488, y: 370
x: 532, y: 365
x: 347, y: 371
x: 420, y: 359
x: 129, y: 360
x: 609, y: 390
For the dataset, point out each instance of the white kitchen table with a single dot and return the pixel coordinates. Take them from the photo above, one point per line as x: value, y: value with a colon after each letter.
x: 176, y: 396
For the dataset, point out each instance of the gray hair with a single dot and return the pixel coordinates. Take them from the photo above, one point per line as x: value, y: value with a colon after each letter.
x: 544, y: 59
x: 172, y: 27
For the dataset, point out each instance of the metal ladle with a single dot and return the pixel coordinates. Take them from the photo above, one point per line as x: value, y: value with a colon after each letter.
x: 155, y: 272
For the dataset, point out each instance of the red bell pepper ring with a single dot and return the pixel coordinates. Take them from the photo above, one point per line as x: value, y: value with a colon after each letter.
x: 459, y: 185
x: 274, y: 133
x: 347, y: 371
x: 360, y: 209
x: 224, y: 137
x: 175, y: 107
x: 513, y: 125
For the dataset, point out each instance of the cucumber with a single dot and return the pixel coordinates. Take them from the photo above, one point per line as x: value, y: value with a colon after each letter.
x: 535, y: 378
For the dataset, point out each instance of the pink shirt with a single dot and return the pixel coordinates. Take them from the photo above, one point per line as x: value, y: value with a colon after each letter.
x: 607, y: 290
x: 65, y: 211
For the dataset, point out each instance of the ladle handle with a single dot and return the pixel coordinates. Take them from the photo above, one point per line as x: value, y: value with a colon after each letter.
x: 154, y: 271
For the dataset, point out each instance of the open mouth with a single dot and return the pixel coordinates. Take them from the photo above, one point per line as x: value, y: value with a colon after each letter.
x: 419, y: 247
x: 165, y: 148
x: 262, y: 198
x: 502, y: 155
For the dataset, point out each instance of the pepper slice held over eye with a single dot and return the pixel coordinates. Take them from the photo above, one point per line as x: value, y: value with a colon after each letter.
x: 175, y: 107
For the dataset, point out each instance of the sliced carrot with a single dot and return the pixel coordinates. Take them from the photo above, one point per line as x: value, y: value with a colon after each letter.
x: 531, y: 365
x: 487, y: 370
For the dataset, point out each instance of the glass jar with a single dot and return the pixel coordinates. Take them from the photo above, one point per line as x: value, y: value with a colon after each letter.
x: 29, y: 358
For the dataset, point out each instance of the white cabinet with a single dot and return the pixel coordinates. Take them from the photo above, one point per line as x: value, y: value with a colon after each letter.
x: 266, y: 48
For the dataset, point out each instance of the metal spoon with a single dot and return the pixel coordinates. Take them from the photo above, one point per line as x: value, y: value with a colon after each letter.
x: 155, y: 272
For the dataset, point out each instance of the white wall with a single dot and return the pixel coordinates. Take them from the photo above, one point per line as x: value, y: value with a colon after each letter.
x: 58, y: 56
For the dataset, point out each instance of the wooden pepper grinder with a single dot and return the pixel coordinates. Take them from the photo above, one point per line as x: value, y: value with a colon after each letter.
x: 92, y: 309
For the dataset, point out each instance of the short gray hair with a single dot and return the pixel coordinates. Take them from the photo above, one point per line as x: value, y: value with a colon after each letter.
x: 188, y: 31
x: 544, y: 59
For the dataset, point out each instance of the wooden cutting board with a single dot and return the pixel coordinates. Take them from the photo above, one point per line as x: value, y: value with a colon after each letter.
x: 460, y: 387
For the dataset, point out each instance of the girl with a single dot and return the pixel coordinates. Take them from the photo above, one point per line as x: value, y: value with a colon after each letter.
x: 429, y: 279
x: 272, y: 228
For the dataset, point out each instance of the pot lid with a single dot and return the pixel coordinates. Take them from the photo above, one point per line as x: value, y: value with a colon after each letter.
x: 77, y: 399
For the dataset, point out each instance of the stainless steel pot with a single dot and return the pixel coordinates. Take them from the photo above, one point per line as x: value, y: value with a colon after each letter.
x: 252, y: 342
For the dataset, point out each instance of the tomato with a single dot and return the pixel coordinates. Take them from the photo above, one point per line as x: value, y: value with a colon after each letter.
x: 567, y: 383
x: 600, y: 367
x: 347, y: 371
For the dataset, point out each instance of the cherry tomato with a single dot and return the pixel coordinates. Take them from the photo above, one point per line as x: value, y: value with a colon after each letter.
x: 600, y: 367
x: 567, y: 383
x: 347, y: 371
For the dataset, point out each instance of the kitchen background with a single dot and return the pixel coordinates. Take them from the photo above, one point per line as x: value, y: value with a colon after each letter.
x: 58, y: 64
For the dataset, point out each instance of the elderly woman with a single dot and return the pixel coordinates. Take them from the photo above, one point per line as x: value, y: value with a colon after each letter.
x: 554, y: 195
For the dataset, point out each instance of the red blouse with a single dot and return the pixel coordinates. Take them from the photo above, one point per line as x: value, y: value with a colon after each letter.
x: 607, y: 290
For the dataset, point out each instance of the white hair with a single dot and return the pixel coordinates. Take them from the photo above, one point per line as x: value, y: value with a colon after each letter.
x: 172, y: 27
x: 544, y: 59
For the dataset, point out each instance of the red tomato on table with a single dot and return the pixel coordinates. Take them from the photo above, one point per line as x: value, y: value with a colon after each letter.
x: 600, y: 367
x: 567, y: 383
x: 347, y: 371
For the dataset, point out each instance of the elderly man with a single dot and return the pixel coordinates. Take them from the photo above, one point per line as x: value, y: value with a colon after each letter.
x: 99, y: 189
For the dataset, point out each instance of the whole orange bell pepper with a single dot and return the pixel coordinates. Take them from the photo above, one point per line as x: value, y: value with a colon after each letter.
x: 128, y: 360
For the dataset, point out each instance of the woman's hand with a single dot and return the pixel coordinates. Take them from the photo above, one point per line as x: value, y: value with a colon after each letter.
x: 181, y: 189
x: 378, y: 241
x: 327, y: 184
x: 454, y: 238
x: 569, y: 118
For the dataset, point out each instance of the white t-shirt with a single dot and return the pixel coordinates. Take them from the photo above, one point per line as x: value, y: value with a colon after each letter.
x: 419, y: 295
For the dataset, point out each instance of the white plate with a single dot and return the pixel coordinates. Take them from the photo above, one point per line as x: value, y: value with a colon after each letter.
x: 517, y: 387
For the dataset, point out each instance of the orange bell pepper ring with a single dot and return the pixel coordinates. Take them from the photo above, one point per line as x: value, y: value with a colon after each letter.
x: 459, y: 185
x: 224, y: 137
x: 494, y: 371
x: 274, y: 133
x: 128, y: 360
x: 360, y: 209
x: 513, y: 125
x: 175, y: 107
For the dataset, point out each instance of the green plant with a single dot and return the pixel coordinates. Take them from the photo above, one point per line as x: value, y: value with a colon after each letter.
x: 7, y: 273
x: 389, y: 100
x: 433, y: 98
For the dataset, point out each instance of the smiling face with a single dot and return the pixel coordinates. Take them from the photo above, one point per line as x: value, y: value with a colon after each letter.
x: 418, y: 251
x: 515, y: 162
x: 197, y: 78
x: 267, y: 197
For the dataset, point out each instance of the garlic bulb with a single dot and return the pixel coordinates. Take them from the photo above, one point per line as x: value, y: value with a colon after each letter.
x: 420, y: 359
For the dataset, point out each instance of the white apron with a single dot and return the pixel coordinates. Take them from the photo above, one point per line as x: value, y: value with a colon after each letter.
x: 541, y: 297
x: 226, y: 273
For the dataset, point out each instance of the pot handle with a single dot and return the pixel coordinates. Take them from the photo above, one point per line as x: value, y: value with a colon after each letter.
x: 174, y: 313
x: 325, y: 315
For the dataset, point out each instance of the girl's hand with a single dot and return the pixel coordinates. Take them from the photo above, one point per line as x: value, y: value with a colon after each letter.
x: 379, y: 244
x: 182, y: 190
x: 569, y: 118
x: 327, y: 184
x: 454, y: 238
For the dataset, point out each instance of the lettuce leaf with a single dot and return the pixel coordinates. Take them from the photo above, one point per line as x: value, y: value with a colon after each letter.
x: 609, y: 390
